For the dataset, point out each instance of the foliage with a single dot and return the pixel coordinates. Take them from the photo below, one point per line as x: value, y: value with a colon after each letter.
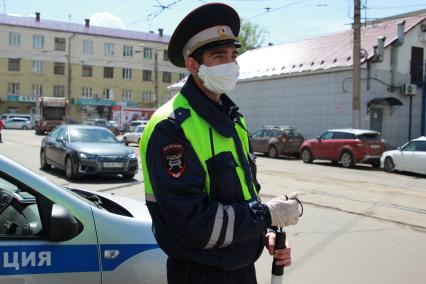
x: 251, y: 36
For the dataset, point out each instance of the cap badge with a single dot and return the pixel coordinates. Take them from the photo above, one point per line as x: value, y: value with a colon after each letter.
x: 221, y: 31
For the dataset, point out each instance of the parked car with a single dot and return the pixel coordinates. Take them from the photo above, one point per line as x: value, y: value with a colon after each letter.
x: 17, y: 123
x: 103, y: 123
x: 410, y: 157
x: 30, y: 117
x: 134, y: 136
x: 135, y: 123
x: 87, y: 150
x: 277, y: 140
x: 347, y: 146
x: 52, y: 234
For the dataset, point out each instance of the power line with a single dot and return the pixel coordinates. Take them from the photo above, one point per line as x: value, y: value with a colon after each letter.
x: 269, y: 10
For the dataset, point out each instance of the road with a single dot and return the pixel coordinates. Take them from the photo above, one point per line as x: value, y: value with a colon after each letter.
x: 360, y: 225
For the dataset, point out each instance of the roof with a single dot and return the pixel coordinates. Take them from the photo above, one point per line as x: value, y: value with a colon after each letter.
x: 30, y: 22
x: 355, y: 131
x: 320, y: 53
x: 421, y: 138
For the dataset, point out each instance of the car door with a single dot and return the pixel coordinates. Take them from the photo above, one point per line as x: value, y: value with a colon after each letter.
x: 47, y: 235
x: 49, y: 145
x: 418, y: 159
x: 59, y: 147
x: 255, y: 140
x: 406, y: 156
x: 321, y: 146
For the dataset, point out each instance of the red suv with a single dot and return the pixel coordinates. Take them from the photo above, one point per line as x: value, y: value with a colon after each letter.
x: 349, y: 146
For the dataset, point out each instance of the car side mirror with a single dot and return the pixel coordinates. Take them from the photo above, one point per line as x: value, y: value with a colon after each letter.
x: 399, y: 148
x: 60, y: 139
x: 62, y: 226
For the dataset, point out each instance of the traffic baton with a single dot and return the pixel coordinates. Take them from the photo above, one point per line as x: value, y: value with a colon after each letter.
x: 278, y: 270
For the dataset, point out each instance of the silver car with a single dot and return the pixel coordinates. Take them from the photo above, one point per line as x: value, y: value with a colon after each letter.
x: 50, y: 234
x: 18, y: 123
x: 133, y: 136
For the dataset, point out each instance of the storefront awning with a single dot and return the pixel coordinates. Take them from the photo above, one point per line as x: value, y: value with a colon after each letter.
x: 391, y: 101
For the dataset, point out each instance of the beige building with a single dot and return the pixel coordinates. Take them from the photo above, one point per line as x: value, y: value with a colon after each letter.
x: 95, y: 68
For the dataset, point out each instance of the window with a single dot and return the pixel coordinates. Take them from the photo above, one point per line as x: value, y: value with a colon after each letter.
x: 108, y: 72
x: 14, y: 39
x: 327, y: 135
x: 37, y: 90
x: 165, y: 55
x: 343, y: 135
x: 181, y: 76
x: 37, y: 66
x: 59, y: 68
x: 167, y: 77
x: 147, y: 96
x: 59, y: 91
x: 127, y: 73
x: 17, y: 216
x: 416, y: 65
x: 109, y: 49
x: 108, y: 94
x: 147, y: 53
x: 60, y: 43
x: 14, y: 64
x: 147, y: 75
x: 13, y: 89
x: 127, y: 95
x: 258, y: 133
x: 87, y: 46
x: 86, y: 70
x: 87, y: 92
x: 38, y: 41
x: 128, y: 50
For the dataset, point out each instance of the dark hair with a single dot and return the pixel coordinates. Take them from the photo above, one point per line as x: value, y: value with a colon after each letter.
x: 198, y: 55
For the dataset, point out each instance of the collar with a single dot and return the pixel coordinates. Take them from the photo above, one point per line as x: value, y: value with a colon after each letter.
x: 220, y: 116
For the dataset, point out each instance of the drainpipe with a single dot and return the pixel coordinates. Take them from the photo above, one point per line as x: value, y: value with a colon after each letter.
x: 394, y: 52
x: 67, y: 111
x: 422, y: 123
x: 378, y: 56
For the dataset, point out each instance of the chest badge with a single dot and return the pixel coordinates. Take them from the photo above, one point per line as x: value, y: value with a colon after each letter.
x: 174, y: 160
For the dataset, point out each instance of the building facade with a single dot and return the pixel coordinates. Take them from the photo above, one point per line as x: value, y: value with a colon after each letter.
x: 308, y: 84
x: 95, y: 68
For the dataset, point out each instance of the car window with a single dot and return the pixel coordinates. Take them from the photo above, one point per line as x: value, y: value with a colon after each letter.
x: 91, y: 135
x: 421, y: 146
x: 292, y: 132
x: 135, y: 123
x: 62, y: 134
x: 139, y: 129
x: 369, y: 137
x: 276, y: 133
x: 327, y: 135
x: 410, y: 146
x: 343, y: 135
x: 258, y: 133
x: 54, y: 132
x: 19, y: 213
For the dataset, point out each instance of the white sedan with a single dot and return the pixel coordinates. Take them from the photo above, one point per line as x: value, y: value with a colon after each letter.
x: 134, y: 136
x: 50, y: 234
x: 411, y: 157
x: 17, y: 123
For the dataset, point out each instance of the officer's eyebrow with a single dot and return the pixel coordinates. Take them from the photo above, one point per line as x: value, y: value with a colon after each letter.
x: 221, y: 50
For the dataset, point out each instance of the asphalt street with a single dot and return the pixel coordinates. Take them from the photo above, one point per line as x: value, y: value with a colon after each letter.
x: 360, y: 225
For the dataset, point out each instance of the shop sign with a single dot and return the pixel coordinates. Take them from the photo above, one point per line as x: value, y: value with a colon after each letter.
x: 95, y: 102
x: 22, y: 99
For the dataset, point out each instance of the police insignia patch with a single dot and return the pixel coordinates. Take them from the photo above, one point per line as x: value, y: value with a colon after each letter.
x: 174, y: 160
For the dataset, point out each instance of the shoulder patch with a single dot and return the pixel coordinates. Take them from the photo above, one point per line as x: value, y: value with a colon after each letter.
x: 180, y: 114
x: 174, y: 160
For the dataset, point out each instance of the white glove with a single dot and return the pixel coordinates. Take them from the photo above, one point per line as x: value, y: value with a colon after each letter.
x: 284, y: 210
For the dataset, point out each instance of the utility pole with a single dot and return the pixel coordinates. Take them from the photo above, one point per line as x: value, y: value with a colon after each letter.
x: 156, y: 78
x: 356, y: 90
x: 68, y: 106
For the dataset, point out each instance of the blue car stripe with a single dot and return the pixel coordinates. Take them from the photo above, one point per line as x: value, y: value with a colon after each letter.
x: 43, y: 259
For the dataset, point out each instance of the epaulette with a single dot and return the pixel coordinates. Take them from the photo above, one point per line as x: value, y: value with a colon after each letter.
x: 179, y: 115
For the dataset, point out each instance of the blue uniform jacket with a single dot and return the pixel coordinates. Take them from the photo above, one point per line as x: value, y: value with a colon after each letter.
x: 184, y: 215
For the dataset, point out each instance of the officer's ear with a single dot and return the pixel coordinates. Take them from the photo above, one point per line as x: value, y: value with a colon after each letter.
x: 192, y: 65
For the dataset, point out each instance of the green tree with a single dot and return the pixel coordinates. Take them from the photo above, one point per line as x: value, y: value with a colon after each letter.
x: 251, y: 36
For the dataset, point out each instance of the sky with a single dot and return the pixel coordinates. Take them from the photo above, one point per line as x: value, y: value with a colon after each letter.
x: 284, y: 20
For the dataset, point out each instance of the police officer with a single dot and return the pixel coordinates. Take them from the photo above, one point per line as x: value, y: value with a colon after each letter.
x: 199, y: 175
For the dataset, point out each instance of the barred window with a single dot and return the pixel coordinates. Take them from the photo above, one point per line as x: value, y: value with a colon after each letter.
x: 14, y: 64
x: 86, y: 70
x: 59, y: 68
x: 108, y: 72
x: 60, y: 43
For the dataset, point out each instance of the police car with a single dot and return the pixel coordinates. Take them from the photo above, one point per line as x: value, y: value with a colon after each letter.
x: 50, y: 234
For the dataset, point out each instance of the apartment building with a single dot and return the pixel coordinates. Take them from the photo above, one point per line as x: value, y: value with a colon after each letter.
x: 95, y: 68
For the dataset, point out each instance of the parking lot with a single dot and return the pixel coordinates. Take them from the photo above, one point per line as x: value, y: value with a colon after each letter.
x: 361, y: 224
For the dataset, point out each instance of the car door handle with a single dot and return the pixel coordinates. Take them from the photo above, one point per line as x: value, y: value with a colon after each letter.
x: 111, y: 253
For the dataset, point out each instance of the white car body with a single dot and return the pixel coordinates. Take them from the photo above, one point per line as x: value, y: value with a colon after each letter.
x: 17, y: 123
x: 107, y: 248
x: 410, y: 157
x: 134, y: 136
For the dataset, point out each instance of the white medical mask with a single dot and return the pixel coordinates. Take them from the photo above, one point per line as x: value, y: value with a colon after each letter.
x: 220, y: 78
